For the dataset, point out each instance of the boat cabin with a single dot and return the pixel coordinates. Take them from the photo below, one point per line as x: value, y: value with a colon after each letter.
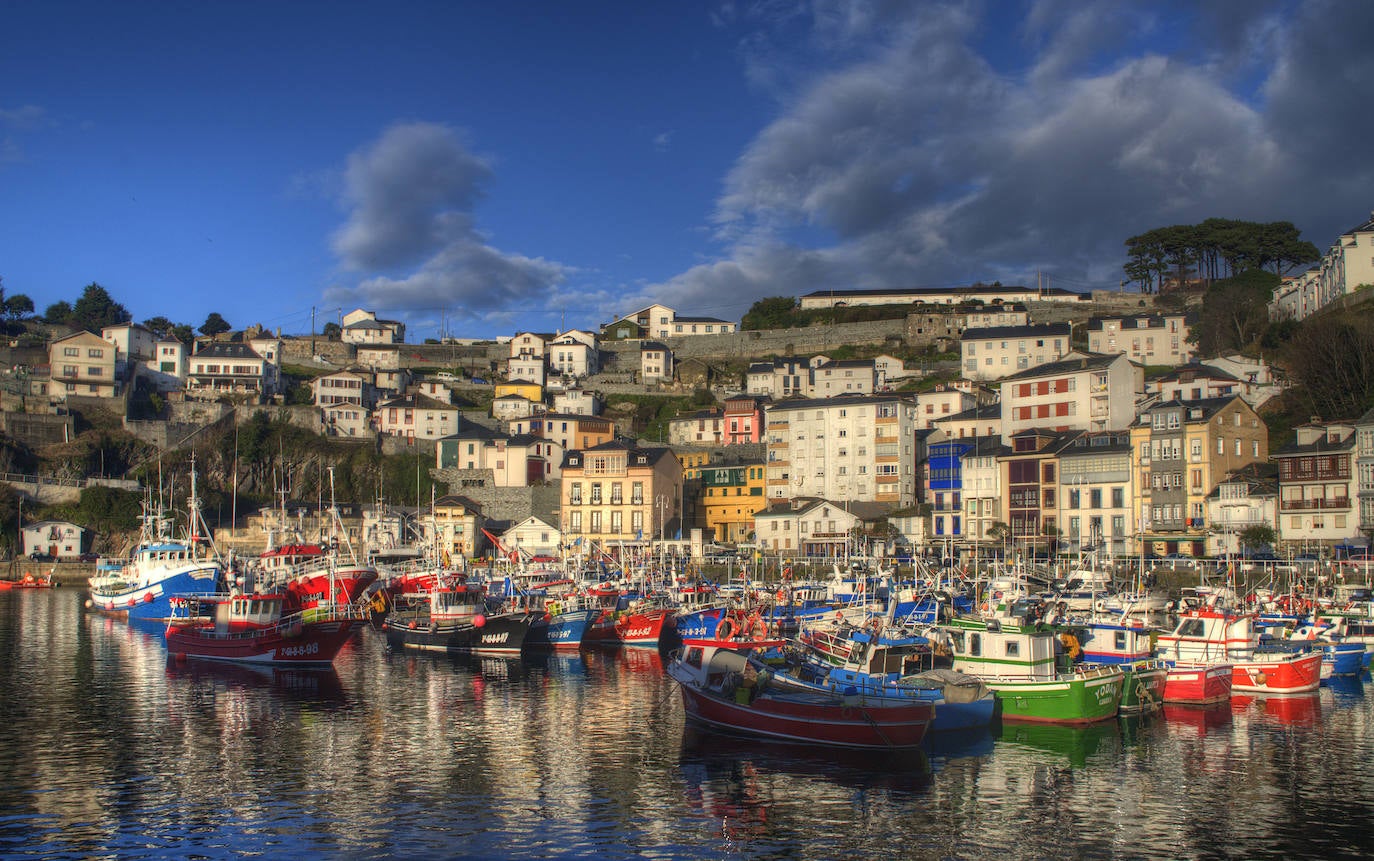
x: 1208, y: 636
x: 993, y: 651
x: 457, y: 605
x: 247, y: 613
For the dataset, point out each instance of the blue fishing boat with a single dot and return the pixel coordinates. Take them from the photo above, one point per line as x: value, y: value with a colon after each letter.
x: 159, y: 566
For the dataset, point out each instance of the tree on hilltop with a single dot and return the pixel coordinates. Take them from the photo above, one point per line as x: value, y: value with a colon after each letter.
x: 214, y: 325
x: 97, y: 309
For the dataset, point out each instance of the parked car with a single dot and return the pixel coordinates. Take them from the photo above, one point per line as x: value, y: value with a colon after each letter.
x: 39, y: 556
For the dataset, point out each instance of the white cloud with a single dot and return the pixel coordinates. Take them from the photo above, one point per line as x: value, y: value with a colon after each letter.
x: 921, y: 161
x: 411, y: 224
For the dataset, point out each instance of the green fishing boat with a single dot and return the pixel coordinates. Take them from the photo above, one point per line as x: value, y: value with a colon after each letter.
x: 1025, y: 669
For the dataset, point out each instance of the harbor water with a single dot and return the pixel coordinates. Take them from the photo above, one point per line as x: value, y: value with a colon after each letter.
x: 109, y: 749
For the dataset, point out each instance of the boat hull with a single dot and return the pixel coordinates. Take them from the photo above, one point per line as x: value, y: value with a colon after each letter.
x: 1281, y: 673
x: 633, y: 629
x: 1198, y: 684
x: 1083, y: 699
x: 865, y: 724
x: 152, y: 599
x: 1143, y: 689
x: 498, y: 635
x: 306, y: 644
x: 564, y: 631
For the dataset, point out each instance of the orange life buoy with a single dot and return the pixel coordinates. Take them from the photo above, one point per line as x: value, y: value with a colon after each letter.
x: 726, y: 629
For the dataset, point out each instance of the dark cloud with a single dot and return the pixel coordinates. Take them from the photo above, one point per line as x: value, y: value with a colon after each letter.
x: 411, y: 196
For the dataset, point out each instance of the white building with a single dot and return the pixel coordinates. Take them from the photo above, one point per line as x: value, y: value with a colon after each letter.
x: 999, y: 351
x: 853, y: 448
x: 533, y: 536
x: 529, y: 344
x: 1347, y: 265
x: 981, y: 475
x: 941, y: 403
x: 569, y: 355
x: 413, y: 417
x: 1364, y: 469
x: 347, y: 386
x: 1092, y: 393
x: 167, y: 369
x: 1245, y: 498
x: 526, y: 368
x: 805, y: 527
x: 346, y: 419
x: 56, y: 538
x: 136, y: 343
x: 778, y: 379
x: 846, y: 377
x: 364, y: 327
x: 1148, y: 339
x: 655, y: 362
x: 578, y: 401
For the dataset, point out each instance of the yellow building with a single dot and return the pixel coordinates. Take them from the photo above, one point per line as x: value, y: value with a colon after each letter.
x: 529, y: 391
x: 728, y: 497
x: 615, y: 494
x: 1182, y: 450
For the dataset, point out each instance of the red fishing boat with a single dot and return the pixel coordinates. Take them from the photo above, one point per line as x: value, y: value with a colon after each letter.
x: 627, y: 620
x: 254, y: 629
x: 1216, y: 636
x: 728, y: 689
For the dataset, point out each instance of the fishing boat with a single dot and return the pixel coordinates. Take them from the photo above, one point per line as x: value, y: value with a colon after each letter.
x: 1214, y: 636
x: 1026, y: 669
x: 159, y: 566
x: 629, y: 619
x: 894, y: 664
x: 311, y: 574
x: 28, y: 581
x: 1125, y: 643
x: 728, y: 690
x: 458, y: 620
x: 255, y: 629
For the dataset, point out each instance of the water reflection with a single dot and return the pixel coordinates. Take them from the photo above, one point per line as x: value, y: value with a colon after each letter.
x: 1078, y: 745
x: 1298, y: 710
x: 107, y: 749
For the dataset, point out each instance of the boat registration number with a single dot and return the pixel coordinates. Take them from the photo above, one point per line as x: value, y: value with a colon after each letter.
x: 301, y: 651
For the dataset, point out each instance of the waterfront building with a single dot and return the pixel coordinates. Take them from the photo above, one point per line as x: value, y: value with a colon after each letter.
x: 805, y: 527
x: 1364, y: 470
x: 1095, y: 494
x: 617, y: 493
x: 1182, y: 450
x: 1244, y: 498
x: 1316, y: 480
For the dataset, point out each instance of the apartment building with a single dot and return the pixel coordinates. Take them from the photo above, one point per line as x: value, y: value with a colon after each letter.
x: 1147, y: 339
x: 1242, y: 499
x: 655, y: 362
x: 413, y: 417
x: 981, y: 486
x: 364, y: 327
x: 1090, y: 393
x: 520, y: 460
x: 219, y: 369
x: 347, y: 386
x: 729, y: 497
x: 1318, y: 486
x: 1030, y: 477
x: 617, y: 493
x: 781, y: 378
x: 83, y: 364
x: 847, y: 377
x: 1347, y: 265
x: 1095, y: 493
x: 853, y: 448
x: 999, y: 351
x: 1364, y: 470
x: 571, y: 431
x: 1182, y: 451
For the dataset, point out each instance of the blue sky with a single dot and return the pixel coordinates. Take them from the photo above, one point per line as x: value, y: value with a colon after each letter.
x: 491, y: 168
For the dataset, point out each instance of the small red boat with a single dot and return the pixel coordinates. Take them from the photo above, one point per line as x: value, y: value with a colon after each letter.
x: 310, y: 576
x: 253, y: 629
x: 28, y: 581
x: 727, y: 689
x: 1197, y: 683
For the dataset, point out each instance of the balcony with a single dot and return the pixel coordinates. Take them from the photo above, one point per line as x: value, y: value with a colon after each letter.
x: 1315, y: 504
